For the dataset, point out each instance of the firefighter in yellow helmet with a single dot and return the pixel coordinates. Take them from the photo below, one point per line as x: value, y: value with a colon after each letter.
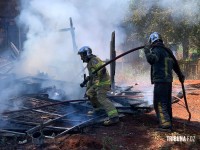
x: 98, y: 86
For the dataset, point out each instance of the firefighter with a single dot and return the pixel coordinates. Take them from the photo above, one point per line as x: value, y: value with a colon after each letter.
x: 161, y: 76
x: 98, y: 86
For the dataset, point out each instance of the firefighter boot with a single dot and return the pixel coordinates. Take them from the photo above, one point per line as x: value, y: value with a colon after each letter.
x: 164, y: 129
x: 96, y: 111
x: 111, y: 121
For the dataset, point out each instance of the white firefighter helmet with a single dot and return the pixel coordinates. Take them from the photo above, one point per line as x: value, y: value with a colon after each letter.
x: 155, y: 36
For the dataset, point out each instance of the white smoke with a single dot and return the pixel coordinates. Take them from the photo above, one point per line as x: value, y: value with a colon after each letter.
x: 183, y: 10
x: 180, y: 10
x: 51, y: 51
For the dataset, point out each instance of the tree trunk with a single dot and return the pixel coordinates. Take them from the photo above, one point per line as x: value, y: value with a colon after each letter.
x: 185, y: 44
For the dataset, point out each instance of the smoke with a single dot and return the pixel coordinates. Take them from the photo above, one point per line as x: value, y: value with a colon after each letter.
x: 187, y: 10
x: 49, y: 50
x: 9, y: 89
x: 46, y: 49
x: 180, y: 10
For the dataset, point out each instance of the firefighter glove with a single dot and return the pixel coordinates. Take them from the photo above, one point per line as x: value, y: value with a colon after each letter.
x: 83, y: 84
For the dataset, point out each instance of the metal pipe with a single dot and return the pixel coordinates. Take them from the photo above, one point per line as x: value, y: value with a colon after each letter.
x: 35, y: 124
x: 47, y: 123
x: 13, y: 132
x: 83, y: 123
x: 37, y: 138
x: 63, y: 102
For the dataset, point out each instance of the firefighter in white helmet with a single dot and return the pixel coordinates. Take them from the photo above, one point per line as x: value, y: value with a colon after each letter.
x: 161, y: 76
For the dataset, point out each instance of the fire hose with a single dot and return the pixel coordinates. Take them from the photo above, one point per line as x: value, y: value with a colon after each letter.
x: 135, y: 49
x: 107, y: 63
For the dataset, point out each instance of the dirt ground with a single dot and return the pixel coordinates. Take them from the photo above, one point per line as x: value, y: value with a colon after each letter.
x: 136, y: 131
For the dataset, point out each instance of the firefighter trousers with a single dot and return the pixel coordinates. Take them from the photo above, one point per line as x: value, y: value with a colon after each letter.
x: 162, y: 103
x: 98, y: 97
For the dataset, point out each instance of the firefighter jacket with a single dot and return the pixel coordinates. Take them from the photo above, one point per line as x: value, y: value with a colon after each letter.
x: 102, y: 77
x: 161, y: 64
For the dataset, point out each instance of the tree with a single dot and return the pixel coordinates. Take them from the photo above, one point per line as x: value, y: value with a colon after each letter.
x: 145, y: 17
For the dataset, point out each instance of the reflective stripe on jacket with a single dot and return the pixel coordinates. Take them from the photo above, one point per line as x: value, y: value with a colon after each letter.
x: 102, y: 77
x: 161, y: 65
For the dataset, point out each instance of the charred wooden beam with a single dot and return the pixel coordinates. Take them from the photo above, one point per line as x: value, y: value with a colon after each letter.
x: 113, y: 64
x: 73, y: 35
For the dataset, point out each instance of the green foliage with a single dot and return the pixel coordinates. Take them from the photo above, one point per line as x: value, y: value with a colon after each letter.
x: 175, y: 24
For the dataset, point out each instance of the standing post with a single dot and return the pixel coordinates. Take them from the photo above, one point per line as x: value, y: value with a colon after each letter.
x: 73, y: 35
x: 74, y: 42
x: 113, y: 64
